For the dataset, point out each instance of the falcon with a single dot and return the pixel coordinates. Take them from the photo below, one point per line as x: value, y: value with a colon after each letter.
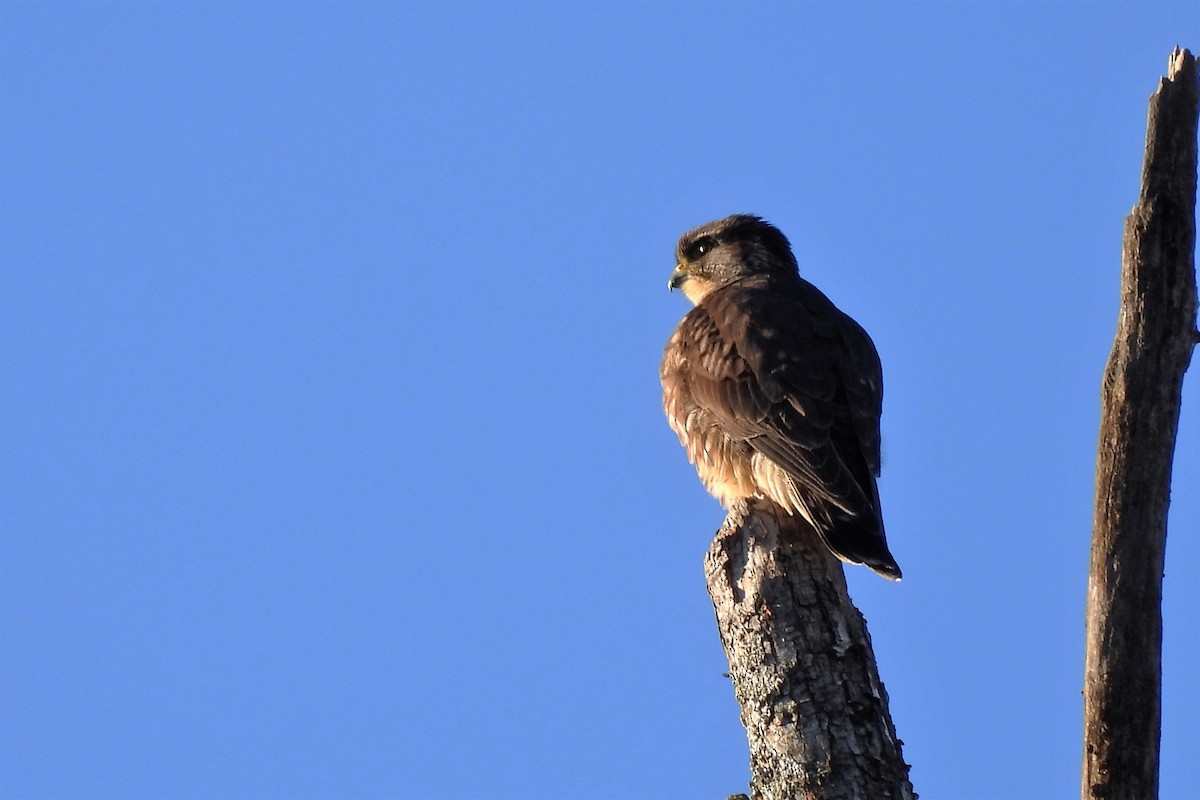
x: 773, y: 391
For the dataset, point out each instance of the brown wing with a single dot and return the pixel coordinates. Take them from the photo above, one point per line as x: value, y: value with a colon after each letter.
x: 781, y: 372
x: 698, y: 353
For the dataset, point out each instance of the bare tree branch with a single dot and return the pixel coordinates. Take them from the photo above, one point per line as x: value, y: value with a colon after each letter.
x: 815, y: 711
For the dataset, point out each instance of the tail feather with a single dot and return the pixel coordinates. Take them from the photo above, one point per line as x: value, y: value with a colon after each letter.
x: 856, y: 543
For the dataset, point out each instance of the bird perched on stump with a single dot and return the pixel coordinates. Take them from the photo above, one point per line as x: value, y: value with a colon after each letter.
x: 773, y: 391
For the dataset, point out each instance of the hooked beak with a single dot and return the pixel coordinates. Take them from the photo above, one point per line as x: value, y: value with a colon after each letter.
x: 678, y: 276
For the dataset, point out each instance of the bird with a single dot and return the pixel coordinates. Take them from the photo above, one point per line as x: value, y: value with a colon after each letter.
x: 773, y: 391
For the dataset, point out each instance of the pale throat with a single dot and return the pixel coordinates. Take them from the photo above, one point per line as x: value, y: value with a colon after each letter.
x: 696, y: 290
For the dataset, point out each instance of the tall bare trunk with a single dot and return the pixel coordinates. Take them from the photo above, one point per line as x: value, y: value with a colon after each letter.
x: 1140, y: 401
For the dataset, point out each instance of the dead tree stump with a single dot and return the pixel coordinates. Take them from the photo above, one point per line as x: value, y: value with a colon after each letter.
x: 815, y: 711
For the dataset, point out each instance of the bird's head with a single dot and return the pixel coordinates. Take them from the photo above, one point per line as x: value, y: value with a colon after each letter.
x: 723, y: 251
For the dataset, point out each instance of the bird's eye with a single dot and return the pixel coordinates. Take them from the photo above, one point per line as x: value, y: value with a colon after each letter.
x: 700, y: 247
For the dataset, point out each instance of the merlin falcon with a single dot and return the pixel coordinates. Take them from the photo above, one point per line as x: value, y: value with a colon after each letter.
x: 773, y: 391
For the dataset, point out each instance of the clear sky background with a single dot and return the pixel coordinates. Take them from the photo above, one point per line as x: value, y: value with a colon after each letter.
x: 333, y: 460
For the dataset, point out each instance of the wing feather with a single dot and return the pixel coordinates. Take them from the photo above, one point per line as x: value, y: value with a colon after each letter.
x: 785, y: 375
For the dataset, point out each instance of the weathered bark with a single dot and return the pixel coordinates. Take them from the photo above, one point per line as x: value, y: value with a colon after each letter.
x: 1140, y: 401
x: 803, y: 670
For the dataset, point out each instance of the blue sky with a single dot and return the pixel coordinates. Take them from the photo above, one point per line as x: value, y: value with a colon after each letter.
x: 333, y: 461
